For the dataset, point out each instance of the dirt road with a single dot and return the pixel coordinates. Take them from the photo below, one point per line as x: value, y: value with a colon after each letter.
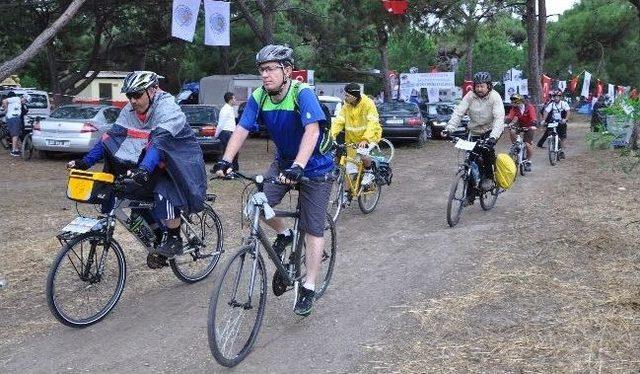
x: 388, y: 263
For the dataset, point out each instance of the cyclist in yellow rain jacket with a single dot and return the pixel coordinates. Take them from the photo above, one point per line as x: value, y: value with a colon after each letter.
x: 361, y: 124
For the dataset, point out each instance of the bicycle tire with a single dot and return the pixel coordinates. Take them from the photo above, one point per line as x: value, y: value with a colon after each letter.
x: 454, y: 213
x: 53, y: 300
x: 328, y: 257
x: 219, y: 352
x: 193, y: 258
x: 337, y: 198
x: 27, y: 148
x: 489, y: 203
x: 4, y: 138
x: 362, y: 198
x: 553, y: 154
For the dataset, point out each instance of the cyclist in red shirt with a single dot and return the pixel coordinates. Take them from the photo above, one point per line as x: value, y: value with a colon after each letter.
x: 523, y: 115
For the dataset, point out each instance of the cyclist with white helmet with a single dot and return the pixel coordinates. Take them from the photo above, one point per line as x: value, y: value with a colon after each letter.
x: 486, y: 113
x: 152, y: 143
x: 291, y: 113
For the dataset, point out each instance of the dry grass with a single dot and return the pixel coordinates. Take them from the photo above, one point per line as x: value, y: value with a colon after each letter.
x: 556, y: 294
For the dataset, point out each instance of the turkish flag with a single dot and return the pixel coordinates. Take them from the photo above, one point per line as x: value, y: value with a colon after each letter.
x: 546, y: 87
x: 466, y: 87
x: 599, y: 88
x: 573, y: 84
x: 619, y: 90
x: 300, y: 75
x: 633, y: 94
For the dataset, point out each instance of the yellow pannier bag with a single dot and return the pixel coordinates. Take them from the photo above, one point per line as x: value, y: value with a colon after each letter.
x: 89, y: 187
x: 505, y: 171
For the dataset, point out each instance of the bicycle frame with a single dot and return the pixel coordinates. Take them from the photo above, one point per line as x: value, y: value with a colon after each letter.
x: 553, y: 132
x: 353, y: 182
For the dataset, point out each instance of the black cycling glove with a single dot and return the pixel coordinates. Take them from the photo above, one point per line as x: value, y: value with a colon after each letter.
x: 294, y: 173
x: 140, y: 176
x: 490, y: 142
x: 80, y: 164
x: 221, y: 165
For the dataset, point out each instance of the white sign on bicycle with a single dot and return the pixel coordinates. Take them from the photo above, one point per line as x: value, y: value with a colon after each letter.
x: 465, y: 145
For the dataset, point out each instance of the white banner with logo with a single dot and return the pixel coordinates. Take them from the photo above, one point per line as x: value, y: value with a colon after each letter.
x: 523, y: 89
x: 434, y: 94
x: 183, y: 21
x: 412, y: 83
x: 585, y: 84
x: 217, y: 15
x: 611, y: 91
x: 510, y: 88
x: 562, y: 85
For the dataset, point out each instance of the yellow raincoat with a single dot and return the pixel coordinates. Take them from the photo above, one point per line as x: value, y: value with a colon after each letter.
x: 359, y: 122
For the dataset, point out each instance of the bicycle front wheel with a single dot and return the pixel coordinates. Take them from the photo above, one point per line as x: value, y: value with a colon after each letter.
x: 457, y: 199
x: 237, y: 307
x: 202, y: 253
x: 5, y: 139
x: 369, y: 197
x: 337, y: 197
x: 553, y: 154
x: 86, y: 280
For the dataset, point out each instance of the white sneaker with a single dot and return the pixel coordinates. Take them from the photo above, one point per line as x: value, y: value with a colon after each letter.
x: 367, y: 179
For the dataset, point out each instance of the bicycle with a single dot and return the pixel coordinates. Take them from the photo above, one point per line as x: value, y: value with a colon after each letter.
x: 517, y: 151
x: 243, y: 279
x: 89, y: 250
x: 468, y: 176
x: 553, y: 142
x: 26, y: 137
x: 350, y: 170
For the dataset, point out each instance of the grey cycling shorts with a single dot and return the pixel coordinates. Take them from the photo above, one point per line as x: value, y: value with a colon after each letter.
x: 314, y: 199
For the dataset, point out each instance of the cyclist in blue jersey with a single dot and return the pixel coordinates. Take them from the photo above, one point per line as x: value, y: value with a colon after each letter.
x: 291, y: 113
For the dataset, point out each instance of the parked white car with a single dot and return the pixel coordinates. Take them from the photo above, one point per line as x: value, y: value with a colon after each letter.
x: 73, y: 128
x: 334, y: 104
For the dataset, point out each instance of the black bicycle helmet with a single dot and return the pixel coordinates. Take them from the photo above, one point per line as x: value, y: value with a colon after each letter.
x: 517, y: 98
x: 275, y: 52
x: 482, y: 77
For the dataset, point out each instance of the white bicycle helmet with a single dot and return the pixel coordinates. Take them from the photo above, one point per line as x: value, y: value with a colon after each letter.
x: 138, y: 81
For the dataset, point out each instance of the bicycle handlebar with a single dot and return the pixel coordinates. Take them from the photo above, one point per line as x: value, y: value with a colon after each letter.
x: 257, y: 179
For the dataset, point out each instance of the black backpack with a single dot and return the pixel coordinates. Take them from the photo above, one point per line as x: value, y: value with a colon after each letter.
x: 325, y: 124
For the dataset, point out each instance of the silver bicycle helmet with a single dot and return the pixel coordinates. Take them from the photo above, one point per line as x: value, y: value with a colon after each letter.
x: 275, y: 52
x: 138, y: 81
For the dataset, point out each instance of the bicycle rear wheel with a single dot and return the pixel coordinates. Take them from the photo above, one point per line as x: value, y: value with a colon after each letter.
x: 336, y: 200
x: 328, y: 258
x: 488, y: 199
x: 5, y: 140
x: 27, y: 147
x: 457, y: 198
x: 234, y: 315
x: 553, y: 154
x: 199, y: 261
x: 83, y: 284
x: 369, y: 197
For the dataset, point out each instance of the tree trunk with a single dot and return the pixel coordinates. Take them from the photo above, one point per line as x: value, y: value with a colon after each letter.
x: 383, y: 39
x: 40, y: 42
x: 469, y: 59
x: 52, y: 63
x: 542, y: 31
x: 224, y: 61
x: 534, y: 63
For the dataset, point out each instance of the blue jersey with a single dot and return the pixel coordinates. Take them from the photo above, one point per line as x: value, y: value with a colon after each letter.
x: 286, y: 122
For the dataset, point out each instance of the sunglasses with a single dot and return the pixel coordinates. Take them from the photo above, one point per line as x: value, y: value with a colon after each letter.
x: 134, y: 95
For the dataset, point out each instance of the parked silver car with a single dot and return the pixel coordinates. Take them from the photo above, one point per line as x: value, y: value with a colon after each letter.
x: 73, y: 128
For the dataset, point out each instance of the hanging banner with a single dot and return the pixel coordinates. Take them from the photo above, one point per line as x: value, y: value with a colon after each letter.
x: 545, y: 83
x: 633, y: 94
x: 413, y: 83
x: 512, y: 74
x: 585, y: 84
x: 573, y: 84
x: 523, y: 89
x: 619, y: 90
x: 599, y: 88
x: 510, y: 89
x: 434, y: 94
x: 611, y: 91
x: 183, y: 21
x: 562, y: 85
x: 216, y: 26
